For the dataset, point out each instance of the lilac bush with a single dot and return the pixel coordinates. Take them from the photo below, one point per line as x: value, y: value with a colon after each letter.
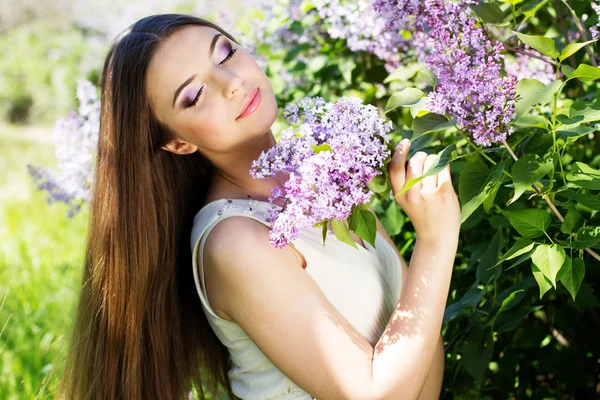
x: 465, y: 61
x: 330, y: 158
x: 75, y: 141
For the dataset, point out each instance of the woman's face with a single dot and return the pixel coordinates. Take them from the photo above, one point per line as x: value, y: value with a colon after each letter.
x: 199, y: 83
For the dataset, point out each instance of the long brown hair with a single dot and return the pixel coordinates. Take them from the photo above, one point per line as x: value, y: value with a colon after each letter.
x: 140, y: 332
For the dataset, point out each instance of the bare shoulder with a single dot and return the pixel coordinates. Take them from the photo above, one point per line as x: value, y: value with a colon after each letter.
x: 282, y: 309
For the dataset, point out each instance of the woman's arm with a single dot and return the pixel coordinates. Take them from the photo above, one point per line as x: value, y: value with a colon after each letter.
x: 280, y: 307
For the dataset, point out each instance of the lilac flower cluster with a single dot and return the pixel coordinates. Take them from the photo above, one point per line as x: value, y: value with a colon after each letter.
x: 75, y: 142
x: 465, y: 61
x: 363, y: 29
x: 329, y: 160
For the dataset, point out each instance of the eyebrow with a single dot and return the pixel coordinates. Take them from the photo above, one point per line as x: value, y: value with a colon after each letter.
x: 191, y: 78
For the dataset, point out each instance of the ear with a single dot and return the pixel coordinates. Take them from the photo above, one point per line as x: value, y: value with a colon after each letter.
x: 180, y: 147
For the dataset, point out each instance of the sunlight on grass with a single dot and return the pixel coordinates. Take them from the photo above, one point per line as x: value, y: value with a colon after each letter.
x: 41, y: 256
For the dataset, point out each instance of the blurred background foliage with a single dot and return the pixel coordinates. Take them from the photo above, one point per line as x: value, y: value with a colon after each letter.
x: 544, y: 348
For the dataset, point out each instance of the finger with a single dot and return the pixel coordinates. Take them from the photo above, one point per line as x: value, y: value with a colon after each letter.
x: 444, y: 179
x: 397, y: 166
x: 415, y: 169
x: 429, y: 183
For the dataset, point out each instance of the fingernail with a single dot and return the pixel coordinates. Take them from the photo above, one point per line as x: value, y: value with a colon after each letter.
x: 403, y: 143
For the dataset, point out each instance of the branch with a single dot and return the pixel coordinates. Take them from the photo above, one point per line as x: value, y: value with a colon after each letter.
x: 547, y: 199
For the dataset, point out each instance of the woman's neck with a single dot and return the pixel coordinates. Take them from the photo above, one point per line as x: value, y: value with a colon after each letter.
x: 232, y: 178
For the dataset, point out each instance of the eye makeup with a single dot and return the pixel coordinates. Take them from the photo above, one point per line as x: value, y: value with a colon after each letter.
x: 192, y: 96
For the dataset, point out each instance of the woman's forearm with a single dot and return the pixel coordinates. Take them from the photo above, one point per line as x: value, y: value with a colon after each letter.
x: 404, y: 353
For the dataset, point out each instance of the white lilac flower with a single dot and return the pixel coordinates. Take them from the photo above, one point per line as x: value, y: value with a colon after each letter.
x: 329, y: 160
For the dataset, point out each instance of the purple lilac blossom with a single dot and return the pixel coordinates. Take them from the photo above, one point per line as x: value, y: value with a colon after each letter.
x: 594, y: 30
x: 363, y: 29
x: 75, y: 142
x: 326, y: 184
x: 465, y: 61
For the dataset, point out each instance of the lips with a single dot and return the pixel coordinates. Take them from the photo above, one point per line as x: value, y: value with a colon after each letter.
x: 249, y: 100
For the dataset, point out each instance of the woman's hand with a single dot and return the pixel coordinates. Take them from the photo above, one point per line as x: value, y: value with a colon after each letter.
x: 431, y: 204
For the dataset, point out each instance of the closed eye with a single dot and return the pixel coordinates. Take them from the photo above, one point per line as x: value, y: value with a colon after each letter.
x: 227, y: 58
x: 195, y: 100
x: 229, y: 55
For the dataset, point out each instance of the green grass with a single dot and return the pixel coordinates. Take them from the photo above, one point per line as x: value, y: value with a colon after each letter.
x: 41, y: 258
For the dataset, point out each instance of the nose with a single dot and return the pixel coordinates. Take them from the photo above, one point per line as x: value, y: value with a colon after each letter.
x: 230, y: 83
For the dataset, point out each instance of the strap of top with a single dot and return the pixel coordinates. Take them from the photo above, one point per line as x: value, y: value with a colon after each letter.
x: 205, y: 221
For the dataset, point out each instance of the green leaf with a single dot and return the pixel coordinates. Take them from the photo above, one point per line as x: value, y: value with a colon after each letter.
x: 504, y: 304
x: 572, y: 48
x: 472, y: 180
x: 549, y: 259
x: 527, y: 92
x: 547, y: 95
x: 364, y: 225
x: 588, y: 111
x: 511, y: 2
x: 573, y: 133
x: 528, y: 170
x: 341, y: 232
x: 530, y: 9
x: 489, y: 188
x: 567, y: 70
x: 484, y: 270
x: 585, y: 72
x: 406, y: 97
x: 346, y: 66
x: 588, y: 200
x: 530, y: 223
x: 321, y: 148
x: 295, y: 50
x: 540, y: 43
x: 391, y: 217
x: 572, y: 274
x: 430, y: 122
x: 584, y: 176
x: 521, y: 246
x: 427, y: 76
x: 586, y: 236
x: 404, y: 72
x: 476, y: 356
x: 533, y: 121
x: 439, y: 163
x: 571, y: 222
x: 489, y: 12
x: 378, y: 184
x: 542, y: 281
x: 538, y: 144
x: 325, y: 230
x: 317, y: 63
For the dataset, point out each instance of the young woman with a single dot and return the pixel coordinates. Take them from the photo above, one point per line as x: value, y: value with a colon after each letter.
x: 185, y: 110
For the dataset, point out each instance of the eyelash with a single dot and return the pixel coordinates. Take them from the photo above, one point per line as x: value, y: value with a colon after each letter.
x: 227, y: 58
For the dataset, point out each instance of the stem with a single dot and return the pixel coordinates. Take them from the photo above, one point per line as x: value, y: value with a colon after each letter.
x: 565, y: 31
x: 477, y: 149
x: 547, y: 199
x: 582, y: 32
x: 529, y: 54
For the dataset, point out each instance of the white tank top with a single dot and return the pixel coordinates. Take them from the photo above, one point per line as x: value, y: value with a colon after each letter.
x: 363, y: 285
